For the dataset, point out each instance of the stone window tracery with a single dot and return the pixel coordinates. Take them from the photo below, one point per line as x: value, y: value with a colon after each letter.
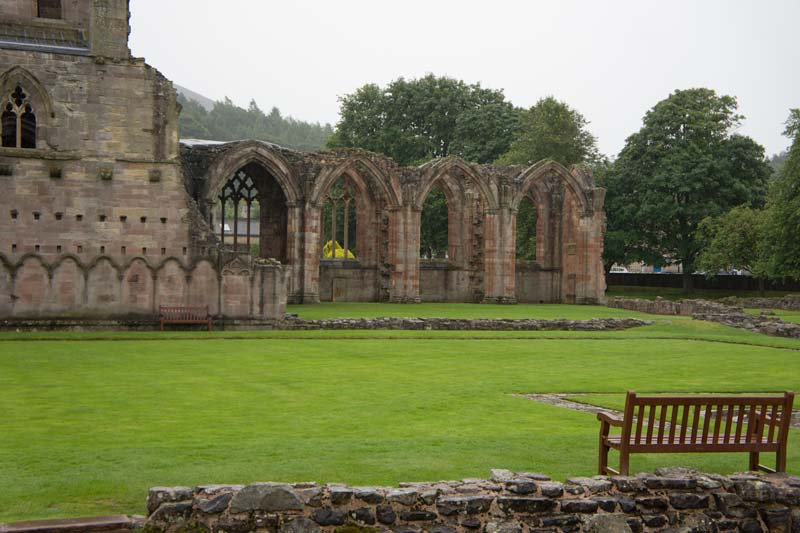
x: 240, y: 191
x: 18, y: 121
x: 340, y: 222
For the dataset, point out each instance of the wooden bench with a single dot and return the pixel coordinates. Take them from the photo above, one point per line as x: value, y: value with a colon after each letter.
x: 696, y: 424
x: 173, y: 314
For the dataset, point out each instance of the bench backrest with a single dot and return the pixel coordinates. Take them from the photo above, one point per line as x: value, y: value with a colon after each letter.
x: 706, y: 421
x: 172, y: 312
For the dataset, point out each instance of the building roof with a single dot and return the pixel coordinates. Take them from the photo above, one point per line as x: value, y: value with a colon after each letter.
x: 59, y: 39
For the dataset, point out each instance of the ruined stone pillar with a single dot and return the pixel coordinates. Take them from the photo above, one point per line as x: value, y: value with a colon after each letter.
x: 591, y: 277
x: 404, y: 235
x: 499, y: 256
x: 312, y: 250
x: 294, y: 256
x: 270, y: 290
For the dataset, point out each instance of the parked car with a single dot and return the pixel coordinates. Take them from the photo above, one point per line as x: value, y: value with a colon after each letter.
x: 618, y: 270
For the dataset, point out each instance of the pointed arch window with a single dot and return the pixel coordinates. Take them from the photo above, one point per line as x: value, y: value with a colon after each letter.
x: 339, y: 222
x: 18, y: 121
x: 240, y: 191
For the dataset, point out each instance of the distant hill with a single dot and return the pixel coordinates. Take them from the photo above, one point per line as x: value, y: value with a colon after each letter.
x: 206, y: 103
x: 202, y: 118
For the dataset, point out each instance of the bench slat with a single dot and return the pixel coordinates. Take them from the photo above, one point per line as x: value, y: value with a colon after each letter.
x: 650, y: 418
x: 773, y: 420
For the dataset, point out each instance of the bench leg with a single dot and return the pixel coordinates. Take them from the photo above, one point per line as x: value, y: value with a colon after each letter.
x: 162, y: 325
x: 209, y: 325
x: 780, y: 458
x: 602, y: 461
x: 754, y: 461
x: 624, y: 462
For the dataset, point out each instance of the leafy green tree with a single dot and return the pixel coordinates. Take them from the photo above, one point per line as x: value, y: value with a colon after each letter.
x: 783, y: 219
x: 412, y: 121
x: 193, y: 120
x: 551, y: 130
x: 484, y: 133
x: 433, y: 227
x: 682, y: 166
x: 526, y: 231
x: 733, y: 239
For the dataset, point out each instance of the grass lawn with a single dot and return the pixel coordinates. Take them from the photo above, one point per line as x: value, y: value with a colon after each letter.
x: 669, y: 293
x: 91, y: 421
x: 788, y: 316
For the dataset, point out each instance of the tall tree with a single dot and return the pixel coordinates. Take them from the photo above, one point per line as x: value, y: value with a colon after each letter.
x: 229, y: 122
x: 733, y: 239
x: 682, y: 166
x: 412, y: 121
x: 551, y: 130
x: 783, y: 218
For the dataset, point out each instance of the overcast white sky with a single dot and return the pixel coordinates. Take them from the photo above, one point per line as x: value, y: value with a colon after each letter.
x: 611, y: 60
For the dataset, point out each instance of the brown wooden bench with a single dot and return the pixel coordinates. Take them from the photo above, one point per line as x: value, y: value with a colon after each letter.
x: 173, y: 314
x: 696, y: 424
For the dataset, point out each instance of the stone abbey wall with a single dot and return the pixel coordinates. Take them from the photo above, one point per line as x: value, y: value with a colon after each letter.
x: 671, y: 500
x: 103, y: 183
x: 483, y: 202
x: 105, y: 288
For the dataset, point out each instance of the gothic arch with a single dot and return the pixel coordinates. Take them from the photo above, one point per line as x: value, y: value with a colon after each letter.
x: 386, y: 185
x: 534, y: 174
x: 163, y: 263
x: 253, y: 152
x: 37, y: 97
x: 435, y: 170
x: 20, y: 76
x: 97, y: 260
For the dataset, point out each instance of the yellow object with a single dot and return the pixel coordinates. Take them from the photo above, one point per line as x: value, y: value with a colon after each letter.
x: 327, y: 251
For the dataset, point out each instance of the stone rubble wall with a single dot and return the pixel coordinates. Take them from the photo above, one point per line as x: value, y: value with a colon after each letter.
x: 453, y: 324
x: 728, y: 315
x: 763, y: 323
x: 671, y: 500
x: 787, y: 303
x: 660, y: 306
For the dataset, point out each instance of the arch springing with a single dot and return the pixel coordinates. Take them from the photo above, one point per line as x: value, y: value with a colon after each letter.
x: 18, y: 121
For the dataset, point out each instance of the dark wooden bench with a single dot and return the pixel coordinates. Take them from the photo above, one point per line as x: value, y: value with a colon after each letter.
x: 697, y: 424
x: 173, y: 314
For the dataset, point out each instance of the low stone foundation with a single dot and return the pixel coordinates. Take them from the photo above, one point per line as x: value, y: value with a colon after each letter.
x: 721, y: 313
x: 299, y: 324
x: 670, y: 500
x: 762, y: 323
x: 787, y: 303
x: 669, y: 307
x: 454, y: 324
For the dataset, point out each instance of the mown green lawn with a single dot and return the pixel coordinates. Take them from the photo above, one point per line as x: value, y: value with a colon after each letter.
x: 670, y: 293
x: 788, y: 316
x: 89, y: 425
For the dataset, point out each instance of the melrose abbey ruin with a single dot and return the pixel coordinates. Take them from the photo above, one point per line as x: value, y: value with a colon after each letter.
x: 106, y: 213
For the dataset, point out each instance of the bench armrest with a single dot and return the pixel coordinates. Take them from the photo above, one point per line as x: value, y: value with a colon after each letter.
x: 610, y: 419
